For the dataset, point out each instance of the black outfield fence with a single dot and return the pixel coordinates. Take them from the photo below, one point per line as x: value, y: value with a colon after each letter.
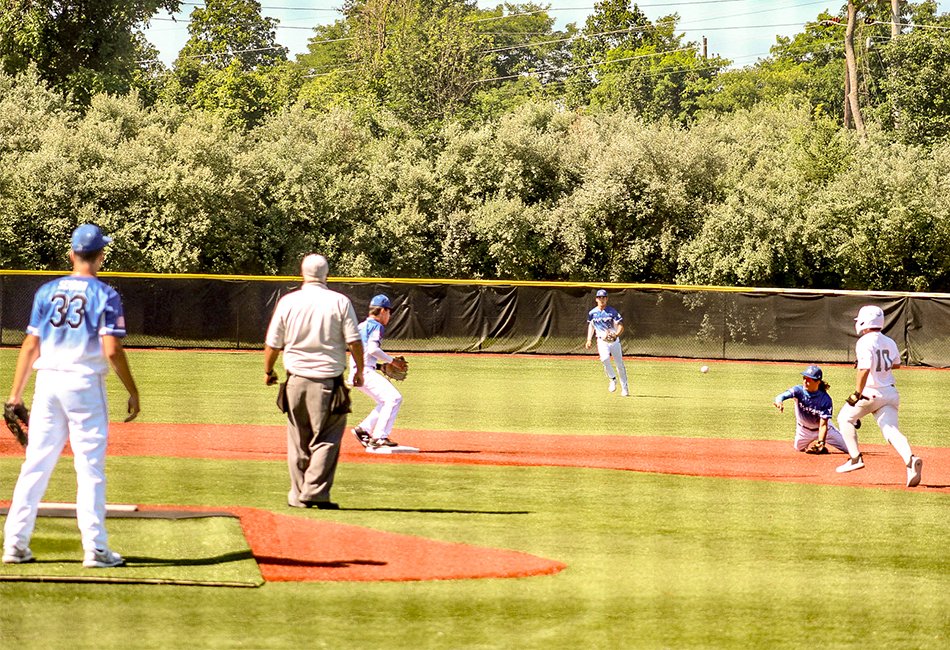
x: 231, y: 312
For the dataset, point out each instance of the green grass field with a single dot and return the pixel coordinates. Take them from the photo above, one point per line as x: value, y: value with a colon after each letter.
x: 653, y: 561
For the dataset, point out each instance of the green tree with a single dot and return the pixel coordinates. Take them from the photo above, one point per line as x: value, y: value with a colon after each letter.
x: 886, y: 219
x: 432, y: 40
x: 231, y: 63
x: 79, y: 47
x: 809, y: 64
x: 645, y: 192
x: 915, y: 82
x: 527, y: 56
x: 418, y: 59
x: 614, y: 24
x: 624, y: 61
x: 778, y: 157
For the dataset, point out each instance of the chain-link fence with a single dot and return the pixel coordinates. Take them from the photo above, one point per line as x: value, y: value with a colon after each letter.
x: 692, y: 322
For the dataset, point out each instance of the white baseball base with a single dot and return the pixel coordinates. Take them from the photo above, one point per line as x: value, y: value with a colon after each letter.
x: 401, y: 449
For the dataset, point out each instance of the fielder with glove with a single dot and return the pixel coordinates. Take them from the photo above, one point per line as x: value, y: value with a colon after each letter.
x: 375, y: 429
x: 606, y: 323
x: 814, y: 429
x: 17, y: 418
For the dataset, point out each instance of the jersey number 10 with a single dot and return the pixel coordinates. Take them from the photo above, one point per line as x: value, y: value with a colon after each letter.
x: 884, y: 362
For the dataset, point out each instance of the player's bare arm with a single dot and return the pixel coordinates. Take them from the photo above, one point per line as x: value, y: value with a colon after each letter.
x: 590, y: 336
x: 115, y: 353
x: 29, y: 353
x: 356, y: 349
x: 618, y: 330
x: 270, y: 360
x: 861, y: 379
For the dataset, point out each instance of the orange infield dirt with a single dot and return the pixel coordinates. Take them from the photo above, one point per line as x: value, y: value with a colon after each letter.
x: 296, y: 547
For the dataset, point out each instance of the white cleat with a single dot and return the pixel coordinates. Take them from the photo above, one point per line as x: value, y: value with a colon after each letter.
x: 913, y: 471
x: 612, y: 386
x: 102, y: 559
x: 624, y: 392
x: 17, y: 555
x: 851, y: 465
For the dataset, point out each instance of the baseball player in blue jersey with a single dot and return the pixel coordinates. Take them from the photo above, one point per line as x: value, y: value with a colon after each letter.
x: 875, y: 392
x: 374, y: 431
x: 813, y: 413
x: 75, y: 332
x: 606, y: 323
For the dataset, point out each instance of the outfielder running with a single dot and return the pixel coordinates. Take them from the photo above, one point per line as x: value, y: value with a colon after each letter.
x: 374, y: 431
x: 607, y: 324
x: 813, y: 413
x: 74, y: 334
x: 875, y: 392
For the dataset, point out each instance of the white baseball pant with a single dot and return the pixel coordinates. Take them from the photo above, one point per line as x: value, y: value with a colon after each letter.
x: 884, y: 403
x: 379, y: 423
x: 608, y: 350
x: 66, y: 405
x: 804, y: 435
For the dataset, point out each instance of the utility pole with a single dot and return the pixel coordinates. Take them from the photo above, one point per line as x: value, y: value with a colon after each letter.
x: 895, y: 18
x: 705, y: 45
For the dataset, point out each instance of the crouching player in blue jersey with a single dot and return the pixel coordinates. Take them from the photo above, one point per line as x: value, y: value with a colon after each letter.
x: 75, y: 334
x: 813, y: 412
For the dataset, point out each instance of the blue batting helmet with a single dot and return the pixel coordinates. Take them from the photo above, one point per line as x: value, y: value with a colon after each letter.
x: 812, y: 372
x: 381, y: 300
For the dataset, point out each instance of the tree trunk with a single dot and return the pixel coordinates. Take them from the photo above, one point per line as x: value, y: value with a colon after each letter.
x: 852, y: 62
x: 848, y: 121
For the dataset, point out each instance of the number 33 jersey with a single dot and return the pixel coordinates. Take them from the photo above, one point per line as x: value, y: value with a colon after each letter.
x: 69, y: 316
x: 877, y: 353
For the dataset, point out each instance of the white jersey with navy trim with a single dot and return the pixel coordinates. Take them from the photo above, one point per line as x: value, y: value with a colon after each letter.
x: 70, y: 315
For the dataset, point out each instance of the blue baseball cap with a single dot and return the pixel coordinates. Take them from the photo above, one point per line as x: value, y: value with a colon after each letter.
x: 88, y: 238
x: 812, y: 372
x: 601, y: 293
x: 381, y: 300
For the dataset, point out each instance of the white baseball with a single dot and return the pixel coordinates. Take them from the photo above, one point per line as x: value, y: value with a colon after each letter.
x: 704, y: 369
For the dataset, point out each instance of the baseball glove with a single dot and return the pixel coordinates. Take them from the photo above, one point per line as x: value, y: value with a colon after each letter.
x: 610, y: 337
x: 816, y: 447
x: 396, y: 369
x: 17, y: 419
x: 854, y: 398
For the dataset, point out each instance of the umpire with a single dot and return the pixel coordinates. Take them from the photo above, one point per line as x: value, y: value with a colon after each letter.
x: 314, y: 327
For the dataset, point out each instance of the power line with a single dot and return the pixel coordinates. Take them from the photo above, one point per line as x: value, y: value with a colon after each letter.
x: 185, y: 21
x: 577, y: 36
x: 584, y: 65
x: 217, y: 54
x: 202, y: 4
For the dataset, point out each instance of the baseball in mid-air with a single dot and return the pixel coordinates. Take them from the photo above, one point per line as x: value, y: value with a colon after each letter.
x: 704, y: 369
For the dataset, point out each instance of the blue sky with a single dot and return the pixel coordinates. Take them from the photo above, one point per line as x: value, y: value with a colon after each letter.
x: 740, y: 30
